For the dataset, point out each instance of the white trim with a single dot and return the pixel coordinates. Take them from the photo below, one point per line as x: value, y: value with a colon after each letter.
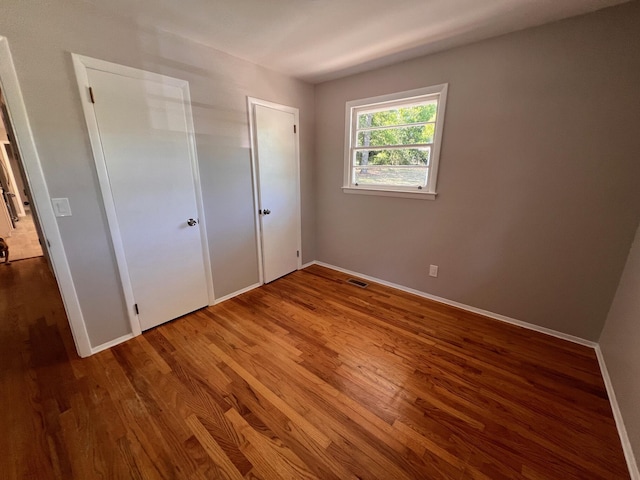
x: 462, y: 306
x: 12, y: 179
x: 103, y: 178
x: 352, y: 106
x: 251, y: 103
x: 236, y: 293
x: 41, y: 199
x: 617, y: 415
x: 112, y: 343
x: 81, y: 65
x: 418, y: 195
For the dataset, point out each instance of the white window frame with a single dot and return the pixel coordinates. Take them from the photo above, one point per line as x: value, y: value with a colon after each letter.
x: 428, y: 192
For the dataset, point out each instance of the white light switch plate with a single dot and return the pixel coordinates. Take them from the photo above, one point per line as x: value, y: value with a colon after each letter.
x: 433, y: 270
x: 61, y: 207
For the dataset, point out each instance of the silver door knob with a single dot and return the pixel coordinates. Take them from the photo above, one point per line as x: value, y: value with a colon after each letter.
x: 266, y: 211
x: 191, y: 222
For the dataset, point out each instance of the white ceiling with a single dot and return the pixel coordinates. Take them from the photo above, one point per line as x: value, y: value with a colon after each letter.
x: 317, y: 40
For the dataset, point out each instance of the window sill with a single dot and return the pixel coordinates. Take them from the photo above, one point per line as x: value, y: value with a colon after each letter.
x: 390, y: 193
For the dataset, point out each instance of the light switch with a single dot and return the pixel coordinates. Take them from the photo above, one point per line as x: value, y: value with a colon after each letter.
x: 61, y: 207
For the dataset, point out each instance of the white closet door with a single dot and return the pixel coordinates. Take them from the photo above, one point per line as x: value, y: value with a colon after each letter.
x: 278, y: 185
x: 144, y: 139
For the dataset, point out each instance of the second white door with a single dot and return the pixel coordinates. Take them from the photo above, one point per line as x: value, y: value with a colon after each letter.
x: 278, y: 186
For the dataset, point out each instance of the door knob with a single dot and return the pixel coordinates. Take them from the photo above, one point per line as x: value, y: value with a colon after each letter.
x: 266, y: 211
x: 191, y: 222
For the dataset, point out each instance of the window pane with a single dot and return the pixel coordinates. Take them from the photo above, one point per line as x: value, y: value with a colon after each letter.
x: 390, y: 175
x: 396, y: 136
x: 393, y: 156
x: 424, y: 112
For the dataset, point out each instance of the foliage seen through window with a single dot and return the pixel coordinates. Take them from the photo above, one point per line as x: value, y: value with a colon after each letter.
x: 409, y: 130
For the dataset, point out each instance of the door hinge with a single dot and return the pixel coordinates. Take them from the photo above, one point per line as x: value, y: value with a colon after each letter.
x: 295, y: 129
x: 298, y: 253
x: 136, y: 307
x: 48, y: 243
x: 93, y: 99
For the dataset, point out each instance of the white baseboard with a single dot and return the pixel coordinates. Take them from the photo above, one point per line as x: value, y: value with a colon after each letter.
x: 308, y: 264
x: 469, y: 308
x: 236, y: 293
x: 112, y: 343
x: 617, y: 415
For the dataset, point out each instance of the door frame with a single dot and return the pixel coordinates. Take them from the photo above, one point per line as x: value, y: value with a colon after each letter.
x: 41, y: 200
x: 81, y: 64
x: 255, y: 171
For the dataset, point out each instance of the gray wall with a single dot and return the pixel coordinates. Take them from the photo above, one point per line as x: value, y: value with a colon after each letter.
x: 619, y: 343
x: 41, y: 36
x: 539, y: 182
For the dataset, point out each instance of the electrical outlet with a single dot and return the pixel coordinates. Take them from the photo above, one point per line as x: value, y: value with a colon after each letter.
x: 433, y: 270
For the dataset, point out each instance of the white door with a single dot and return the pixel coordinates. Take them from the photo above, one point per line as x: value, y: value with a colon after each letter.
x: 278, y: 178
x: 144, y: 136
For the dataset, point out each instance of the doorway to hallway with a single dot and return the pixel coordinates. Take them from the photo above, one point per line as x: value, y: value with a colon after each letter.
x: 17, y: 223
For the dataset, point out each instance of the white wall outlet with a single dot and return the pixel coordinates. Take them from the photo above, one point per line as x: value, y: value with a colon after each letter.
x: 433, y: 270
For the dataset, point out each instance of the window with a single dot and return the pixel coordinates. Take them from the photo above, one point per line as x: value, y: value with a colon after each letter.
x: 392, y: 143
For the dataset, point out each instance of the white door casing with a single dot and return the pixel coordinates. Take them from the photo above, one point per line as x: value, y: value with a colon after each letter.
x: 40, y: 199
x: 141, y: 132
x: 275, y: 160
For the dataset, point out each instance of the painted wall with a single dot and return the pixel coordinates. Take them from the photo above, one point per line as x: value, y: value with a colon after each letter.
x: 619, y: 343
x: 41, y: 36
x: 539, y: 182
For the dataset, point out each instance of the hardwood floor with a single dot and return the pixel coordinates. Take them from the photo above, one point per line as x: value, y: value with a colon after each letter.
x: 307, y: 377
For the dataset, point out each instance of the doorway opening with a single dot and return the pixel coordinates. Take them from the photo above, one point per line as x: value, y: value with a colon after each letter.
x: 44, y: 216
x: 19, y: 226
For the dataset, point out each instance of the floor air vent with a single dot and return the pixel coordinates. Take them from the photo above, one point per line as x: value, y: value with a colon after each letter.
x: 357, y: 283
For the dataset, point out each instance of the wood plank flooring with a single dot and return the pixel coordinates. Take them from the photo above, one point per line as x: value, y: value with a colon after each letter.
x: 307, y: 377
